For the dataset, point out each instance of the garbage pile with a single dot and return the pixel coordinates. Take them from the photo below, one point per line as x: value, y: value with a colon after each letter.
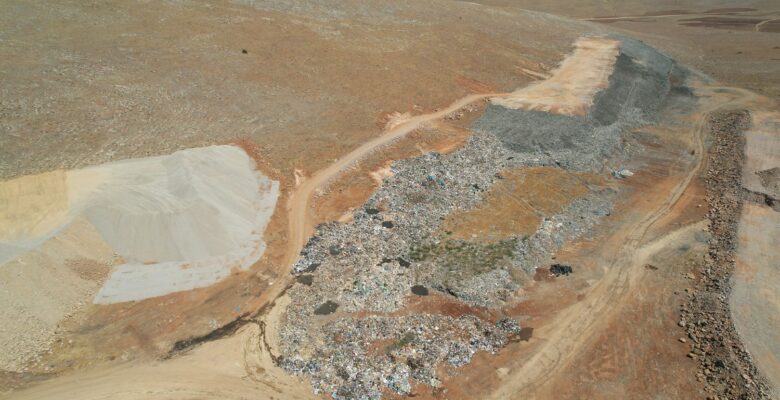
x: 357, y: 358
x: 346, y: 327
x: 395, y: 250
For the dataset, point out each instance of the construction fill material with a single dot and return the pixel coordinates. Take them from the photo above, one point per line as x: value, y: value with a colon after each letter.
x: 178, y: 222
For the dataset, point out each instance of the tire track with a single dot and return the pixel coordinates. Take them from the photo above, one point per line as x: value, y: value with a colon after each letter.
x: 576, y: 325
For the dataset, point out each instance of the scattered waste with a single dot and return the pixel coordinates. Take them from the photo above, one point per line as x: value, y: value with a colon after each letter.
x: 312, y: 267
x: 420, y: 290
x: 326, y: 308
x: 508, y: 325
x: 622, y: 173
x: 560, y: 269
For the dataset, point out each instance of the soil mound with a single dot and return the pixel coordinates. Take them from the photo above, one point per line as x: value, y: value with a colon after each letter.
x: 124, y: 231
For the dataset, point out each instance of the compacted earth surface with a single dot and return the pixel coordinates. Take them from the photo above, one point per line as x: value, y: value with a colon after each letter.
x: 363, y: 200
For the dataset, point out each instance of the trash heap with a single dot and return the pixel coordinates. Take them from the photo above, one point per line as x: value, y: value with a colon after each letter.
x: 347, y: 327
x: 393, y: 250
x: 360, y: 357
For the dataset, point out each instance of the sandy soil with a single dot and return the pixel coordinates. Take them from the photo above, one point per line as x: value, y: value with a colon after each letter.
x: 734, y: 45
x: 762, y: 148
x: 166, y: 76
x: 234, y: 368
x: 41, y: 289
x: 570, y: 89
x: 157, y: 78
x: 755, y: 303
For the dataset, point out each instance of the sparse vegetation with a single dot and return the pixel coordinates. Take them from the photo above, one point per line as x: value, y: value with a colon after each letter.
x: 470, y: 258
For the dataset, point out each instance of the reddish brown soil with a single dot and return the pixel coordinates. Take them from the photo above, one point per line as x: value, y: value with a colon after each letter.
x: 352, y: 188
x: 635, y: 352
x: 516, y: 204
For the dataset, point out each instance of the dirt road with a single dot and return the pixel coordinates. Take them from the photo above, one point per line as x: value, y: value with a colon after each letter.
x: 236, y: 367
x: 239, y: 367
x: 569, y: 331
x: 299, y: 205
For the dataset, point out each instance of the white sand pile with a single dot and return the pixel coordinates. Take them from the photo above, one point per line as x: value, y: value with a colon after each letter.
x: 179, y: 222
x: 124, y: 231
x: 573, y: 84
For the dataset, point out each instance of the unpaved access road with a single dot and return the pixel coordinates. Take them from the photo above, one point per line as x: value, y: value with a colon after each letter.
x: 565, y: 336
x: 238, y: 366
x: 299, y: 206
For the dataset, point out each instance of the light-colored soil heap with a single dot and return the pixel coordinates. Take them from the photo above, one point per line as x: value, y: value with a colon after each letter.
x: 166, y: 224
x: 760, y: 172
x: 574, y: 83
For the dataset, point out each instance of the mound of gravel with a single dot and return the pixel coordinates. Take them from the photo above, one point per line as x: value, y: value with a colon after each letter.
x: 639, y: 86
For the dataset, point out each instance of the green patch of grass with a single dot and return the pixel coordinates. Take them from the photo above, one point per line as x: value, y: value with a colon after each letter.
x: 469, y: 258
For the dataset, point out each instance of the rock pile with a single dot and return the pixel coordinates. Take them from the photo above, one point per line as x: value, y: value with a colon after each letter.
x: 726, y: 368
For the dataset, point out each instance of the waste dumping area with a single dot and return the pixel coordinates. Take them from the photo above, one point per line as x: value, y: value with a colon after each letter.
x: 346, y: 327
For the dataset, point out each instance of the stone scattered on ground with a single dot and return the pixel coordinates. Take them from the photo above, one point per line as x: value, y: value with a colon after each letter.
x: 725, y: 368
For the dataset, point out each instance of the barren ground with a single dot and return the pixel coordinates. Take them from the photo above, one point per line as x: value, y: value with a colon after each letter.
x: 324, y: 98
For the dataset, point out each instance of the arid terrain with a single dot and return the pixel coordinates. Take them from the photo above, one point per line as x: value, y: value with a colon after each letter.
x: 345, y: 199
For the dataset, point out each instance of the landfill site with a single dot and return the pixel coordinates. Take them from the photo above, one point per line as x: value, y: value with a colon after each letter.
x: 338, y: 199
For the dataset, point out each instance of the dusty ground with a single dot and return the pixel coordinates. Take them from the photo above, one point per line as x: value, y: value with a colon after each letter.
x: 569, y: 91
x: 754, y: 300
x: 736, y: 44
x: 128, y: 80
x: 518, y: 203
x: 123, y: 80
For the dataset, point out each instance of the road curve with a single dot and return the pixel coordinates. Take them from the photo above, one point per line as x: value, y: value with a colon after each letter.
x: 299, y: 204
